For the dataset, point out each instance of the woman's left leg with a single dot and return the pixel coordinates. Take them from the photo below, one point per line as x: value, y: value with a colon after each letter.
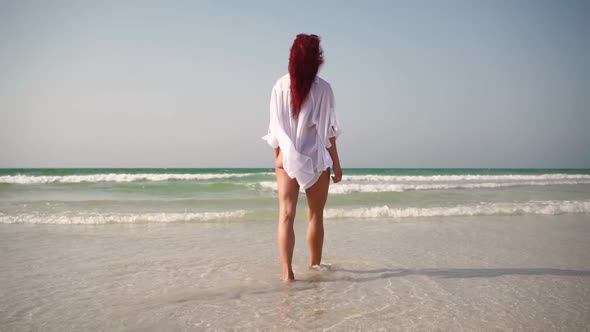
x: 288, y: 194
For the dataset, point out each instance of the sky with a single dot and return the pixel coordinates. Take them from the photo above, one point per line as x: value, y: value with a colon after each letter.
x: 427, y: 84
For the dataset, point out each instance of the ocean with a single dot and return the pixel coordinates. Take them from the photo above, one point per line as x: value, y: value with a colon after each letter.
x: 195, y: 250
x: 135, y: 195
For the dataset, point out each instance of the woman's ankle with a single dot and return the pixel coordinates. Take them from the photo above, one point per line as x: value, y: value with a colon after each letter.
x: 288, y: 275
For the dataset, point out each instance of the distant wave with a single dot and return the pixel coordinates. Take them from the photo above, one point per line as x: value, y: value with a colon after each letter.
x: 118, y: 218
x: 482, y: 209
x: 351, y: 183
x: 462, y: 178
x: 347, y: 188
x: 115, y: 177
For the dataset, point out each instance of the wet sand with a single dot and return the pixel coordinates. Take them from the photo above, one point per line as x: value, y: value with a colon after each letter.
x: 416, y: 274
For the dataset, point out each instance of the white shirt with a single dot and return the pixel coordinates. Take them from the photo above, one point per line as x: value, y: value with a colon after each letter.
x: 303, y: 141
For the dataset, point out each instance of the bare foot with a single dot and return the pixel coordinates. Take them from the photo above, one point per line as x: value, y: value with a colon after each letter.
x: 288, y: 277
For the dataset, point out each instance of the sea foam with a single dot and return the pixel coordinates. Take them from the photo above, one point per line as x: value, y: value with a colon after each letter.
x: 460, y: 178
x: 117, y: 177
x: 482, y: 209
x: 376, y: 187
x: 377, y: 212
x: 118, y: 218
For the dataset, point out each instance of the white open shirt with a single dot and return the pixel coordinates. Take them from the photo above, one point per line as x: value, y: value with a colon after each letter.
x: 303, y: 141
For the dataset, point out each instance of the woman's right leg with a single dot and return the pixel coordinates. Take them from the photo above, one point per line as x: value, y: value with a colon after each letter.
x: 288, y: 194
x: 317, y: 195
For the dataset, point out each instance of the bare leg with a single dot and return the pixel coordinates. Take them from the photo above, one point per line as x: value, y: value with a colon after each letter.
x: 288, y: 195
x: 317, y: 195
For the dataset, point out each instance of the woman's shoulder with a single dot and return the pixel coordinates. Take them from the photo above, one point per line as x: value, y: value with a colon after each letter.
x: 322, y: 84
x: 321, y: 81
x: 284, y: 82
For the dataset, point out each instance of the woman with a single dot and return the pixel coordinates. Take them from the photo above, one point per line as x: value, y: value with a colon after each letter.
x: 303, y: 129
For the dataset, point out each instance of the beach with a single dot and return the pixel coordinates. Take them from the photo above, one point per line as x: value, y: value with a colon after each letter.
x: 460, y: 274
x: 139, y: 142
x: 178, y: 250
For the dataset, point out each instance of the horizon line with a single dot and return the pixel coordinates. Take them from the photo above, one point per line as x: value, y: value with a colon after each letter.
x: 377, y: 168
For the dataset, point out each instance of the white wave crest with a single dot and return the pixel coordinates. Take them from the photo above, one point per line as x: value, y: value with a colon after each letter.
x: 482, y: 209
x: 114, y: 177
x: 118, y: 218
x: 347, y: 188
x: 451, y: 178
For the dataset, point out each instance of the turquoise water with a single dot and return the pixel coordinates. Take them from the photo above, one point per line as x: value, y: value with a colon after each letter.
x: 195, y: 249
x: 377, y: 171
x: 144, y: 195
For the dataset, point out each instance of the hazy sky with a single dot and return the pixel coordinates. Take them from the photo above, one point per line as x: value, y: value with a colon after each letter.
x: 187, y: 83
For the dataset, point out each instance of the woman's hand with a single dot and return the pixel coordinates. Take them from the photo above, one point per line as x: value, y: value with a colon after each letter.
x: 337, y: 177
x: 335, y: 160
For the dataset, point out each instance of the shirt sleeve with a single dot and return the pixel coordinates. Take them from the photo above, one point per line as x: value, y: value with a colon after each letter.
x: 328, y: 125
x: 271, y: 136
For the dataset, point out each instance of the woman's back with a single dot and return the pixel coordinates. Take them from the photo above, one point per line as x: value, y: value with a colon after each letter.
x: 303, y: 138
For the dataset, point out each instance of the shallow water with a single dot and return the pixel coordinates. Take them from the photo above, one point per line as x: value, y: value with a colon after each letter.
x: 438, y: 273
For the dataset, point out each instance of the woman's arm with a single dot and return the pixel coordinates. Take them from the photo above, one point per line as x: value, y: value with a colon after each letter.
x: 335, y: 161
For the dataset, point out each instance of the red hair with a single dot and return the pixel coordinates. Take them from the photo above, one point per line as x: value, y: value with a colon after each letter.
x: 305, y: 59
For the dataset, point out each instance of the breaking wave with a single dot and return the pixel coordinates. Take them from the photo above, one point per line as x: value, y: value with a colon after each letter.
x: 448, y: 178
x: 118, y: 218
x: 347, y: 188
x: 116, y: 177
x: 376, y: 212
x: 482, y: 209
